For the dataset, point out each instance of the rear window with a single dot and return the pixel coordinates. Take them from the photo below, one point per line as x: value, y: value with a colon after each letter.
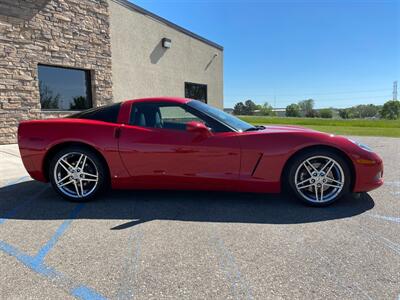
x: 107, y: 113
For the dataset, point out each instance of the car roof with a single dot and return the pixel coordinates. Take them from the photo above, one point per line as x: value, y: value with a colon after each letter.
x: 159, y: 99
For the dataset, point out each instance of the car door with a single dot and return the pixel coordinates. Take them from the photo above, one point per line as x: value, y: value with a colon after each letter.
x: 158, y: 151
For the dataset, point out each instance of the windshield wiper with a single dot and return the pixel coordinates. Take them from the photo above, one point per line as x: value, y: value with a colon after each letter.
x: 255, y: 128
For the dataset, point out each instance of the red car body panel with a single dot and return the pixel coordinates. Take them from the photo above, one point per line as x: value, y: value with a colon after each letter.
x: 153, y: 158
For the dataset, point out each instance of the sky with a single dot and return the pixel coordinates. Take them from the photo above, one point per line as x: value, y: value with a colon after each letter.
x: 338, y: 52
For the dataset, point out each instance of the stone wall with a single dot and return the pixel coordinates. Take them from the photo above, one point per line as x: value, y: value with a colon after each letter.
x: 70, y: 33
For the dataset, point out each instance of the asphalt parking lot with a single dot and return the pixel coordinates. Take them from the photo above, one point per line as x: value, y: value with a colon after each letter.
x: 191, y: 245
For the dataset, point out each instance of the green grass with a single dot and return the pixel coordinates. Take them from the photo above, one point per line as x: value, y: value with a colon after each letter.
x: 388, y: 128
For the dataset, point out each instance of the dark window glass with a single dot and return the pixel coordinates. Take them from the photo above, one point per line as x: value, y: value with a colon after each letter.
x: 106, y: 113
x: 64, y: 88
x: 170, y: 116
x: 220, y: 116
x: 196, y: 91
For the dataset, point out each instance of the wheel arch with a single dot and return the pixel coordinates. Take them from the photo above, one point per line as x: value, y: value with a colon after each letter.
x: 339, y: 152
x: 56, y: 148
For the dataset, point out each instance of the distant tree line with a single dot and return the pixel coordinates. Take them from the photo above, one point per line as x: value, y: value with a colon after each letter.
x: 390, y: 111
x: 249, y: 108
x: 305, y: 108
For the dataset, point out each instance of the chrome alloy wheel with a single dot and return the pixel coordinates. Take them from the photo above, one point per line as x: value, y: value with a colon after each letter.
x: 76, y: 175
x: 319, y: 179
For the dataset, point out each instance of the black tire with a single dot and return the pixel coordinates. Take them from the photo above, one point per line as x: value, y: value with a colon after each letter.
x: 305, y: 194
x: 93, y: 159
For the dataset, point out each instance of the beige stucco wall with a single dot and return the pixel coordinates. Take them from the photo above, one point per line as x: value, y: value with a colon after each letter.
x: 142, y: 68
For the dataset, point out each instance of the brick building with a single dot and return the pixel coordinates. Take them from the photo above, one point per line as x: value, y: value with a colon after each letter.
x: 63, y: 55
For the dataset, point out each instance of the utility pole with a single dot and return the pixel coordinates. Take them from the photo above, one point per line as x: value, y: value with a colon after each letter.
x: 395, y: 90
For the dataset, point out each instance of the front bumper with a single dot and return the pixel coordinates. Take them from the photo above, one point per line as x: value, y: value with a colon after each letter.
x: 369, y: 173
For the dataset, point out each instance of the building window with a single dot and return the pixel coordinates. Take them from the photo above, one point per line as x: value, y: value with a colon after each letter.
x: 64, y: 88
x: 196, y: 91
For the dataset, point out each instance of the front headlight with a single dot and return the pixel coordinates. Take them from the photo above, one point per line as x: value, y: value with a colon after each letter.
x: 362, y: 146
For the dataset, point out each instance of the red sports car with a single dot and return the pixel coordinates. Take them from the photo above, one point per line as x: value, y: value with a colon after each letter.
x: 174, y: 143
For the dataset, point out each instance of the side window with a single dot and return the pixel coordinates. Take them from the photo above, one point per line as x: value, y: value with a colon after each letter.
x: 106, y: 113
x: 161, y: 115
x: 175, y: 117
x: 170, y: 116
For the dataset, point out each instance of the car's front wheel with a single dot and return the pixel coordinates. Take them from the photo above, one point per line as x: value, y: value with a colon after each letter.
x: 319, y: 177
x: 77, y: 173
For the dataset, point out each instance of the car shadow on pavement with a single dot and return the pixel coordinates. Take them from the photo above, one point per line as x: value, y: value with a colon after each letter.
x: 37, y: 201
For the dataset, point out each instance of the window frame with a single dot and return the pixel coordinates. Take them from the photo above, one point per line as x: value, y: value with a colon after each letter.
x: 89, y: 89
x: 199, y: 84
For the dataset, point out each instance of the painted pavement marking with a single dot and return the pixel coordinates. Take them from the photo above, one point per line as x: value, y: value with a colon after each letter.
x: 131, y: 262
x: 37, y: 265
x: 240, y: 288
x: 387, y: 218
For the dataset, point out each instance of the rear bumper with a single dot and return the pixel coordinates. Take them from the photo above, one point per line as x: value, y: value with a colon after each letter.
x: 33, y: 164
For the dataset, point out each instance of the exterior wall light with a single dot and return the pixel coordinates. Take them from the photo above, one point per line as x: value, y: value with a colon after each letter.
x: 166, y: 43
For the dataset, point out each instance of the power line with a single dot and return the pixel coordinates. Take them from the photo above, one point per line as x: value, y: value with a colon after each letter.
x: 307, y: 93
x: 340, y: 99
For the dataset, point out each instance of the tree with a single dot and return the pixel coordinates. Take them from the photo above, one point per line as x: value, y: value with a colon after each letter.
x: 47, y: 99
x: 360, y: 111
x: 250, y: 107
x: 344, y: 113
x: 391, y: 110
x: 307, y: 108
x: 367, y: 111
x: 239, y: 109
x: 79, y: 103
x: 265, y: 109
x: 326, y: 113
x: 293, y: 110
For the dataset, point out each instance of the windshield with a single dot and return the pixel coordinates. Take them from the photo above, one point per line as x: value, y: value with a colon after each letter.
x: 221, y: 116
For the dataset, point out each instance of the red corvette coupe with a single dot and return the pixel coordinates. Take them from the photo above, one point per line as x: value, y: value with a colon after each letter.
x: 174, y: 143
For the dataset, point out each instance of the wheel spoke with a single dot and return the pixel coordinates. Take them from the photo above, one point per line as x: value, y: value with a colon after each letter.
x: 81, y: 185
x: 334, y: 180
x: 83, y: 163
x: 89, y: 179
x: 305, y: 186
x: 76, y: 189
x: 330, y: 168
x: 79, y: 161
x: 305, y: 166
x: 322, y: 192
x: 316, y: 192
x: 311, y: 165
x: 327, y: 164
x: 62, y: 179
x: 63, y: 163
x: 302, y: 182
x: 94, y: 176
x: 332, y: 185
x: 65, y: 183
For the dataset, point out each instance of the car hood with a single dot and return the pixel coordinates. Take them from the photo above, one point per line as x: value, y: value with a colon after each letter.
x: 297, y: 130
x: 286, y: 128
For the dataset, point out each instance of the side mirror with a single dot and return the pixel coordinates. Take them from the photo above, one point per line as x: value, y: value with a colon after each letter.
x: 199, y: 128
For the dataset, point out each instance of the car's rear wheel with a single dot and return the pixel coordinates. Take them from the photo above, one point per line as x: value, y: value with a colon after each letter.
x: 319, y: 177
x: 77, y: 173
